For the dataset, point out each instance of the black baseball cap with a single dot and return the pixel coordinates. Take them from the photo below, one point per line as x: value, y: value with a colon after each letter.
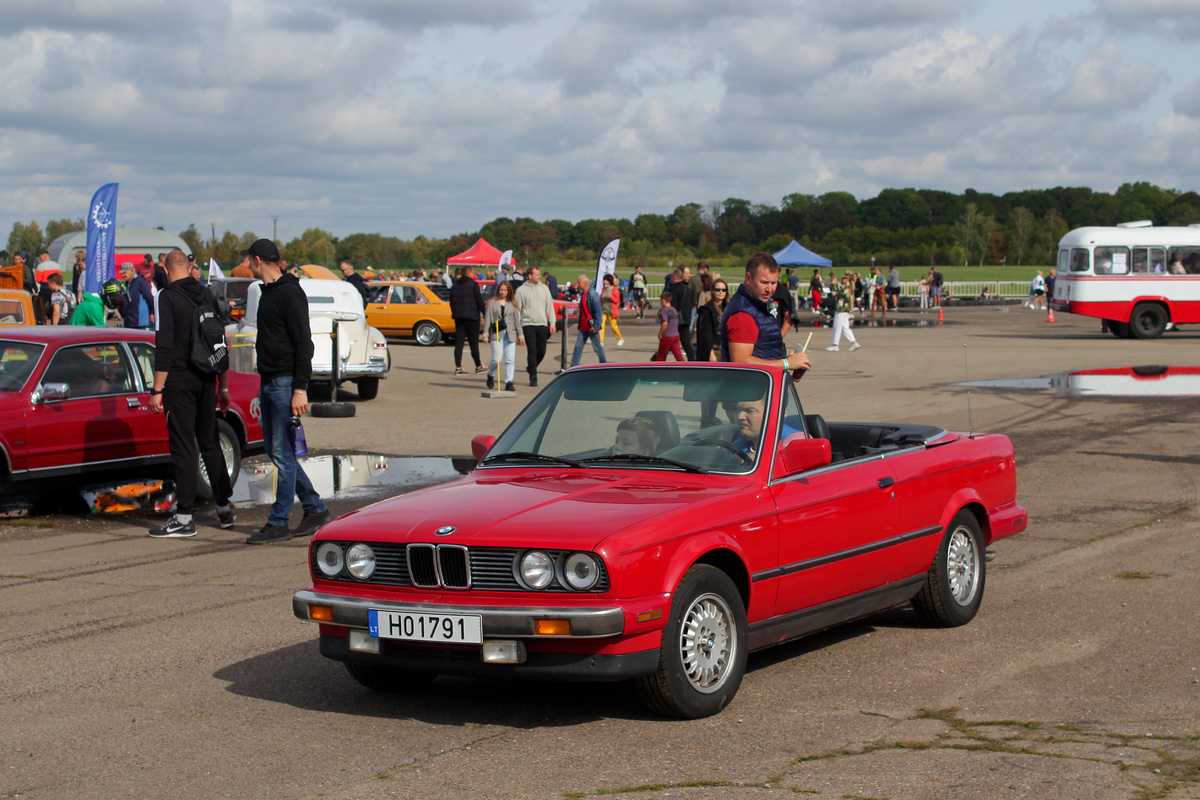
x: 263, y: 249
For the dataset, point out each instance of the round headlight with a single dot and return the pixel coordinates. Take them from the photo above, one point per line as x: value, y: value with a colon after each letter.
x: 581, y: 571
x: 329, y: 559
x: 537, y: 569
x: 360, y: 561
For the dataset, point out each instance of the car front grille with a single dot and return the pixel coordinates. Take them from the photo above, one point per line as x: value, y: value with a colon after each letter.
x: 429, y: 566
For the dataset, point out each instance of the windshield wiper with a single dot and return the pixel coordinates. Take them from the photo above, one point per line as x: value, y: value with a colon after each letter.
x: 525, y: 454
x: 647, y: 460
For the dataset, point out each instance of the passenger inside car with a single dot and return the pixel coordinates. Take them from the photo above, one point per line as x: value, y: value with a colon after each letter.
x: 636, y: 436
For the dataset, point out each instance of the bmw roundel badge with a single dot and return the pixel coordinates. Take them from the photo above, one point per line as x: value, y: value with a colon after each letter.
x: 445, y: 530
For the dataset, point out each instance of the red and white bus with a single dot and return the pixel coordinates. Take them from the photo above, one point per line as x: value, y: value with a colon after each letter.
x: 1140, y: 279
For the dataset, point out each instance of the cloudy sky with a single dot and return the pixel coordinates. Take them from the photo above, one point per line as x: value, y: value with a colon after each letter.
x: 432, y: 117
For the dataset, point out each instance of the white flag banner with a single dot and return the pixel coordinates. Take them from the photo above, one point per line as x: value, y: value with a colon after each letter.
x: 214, y: 271
x: 505, y: 259
x: 608, y: 261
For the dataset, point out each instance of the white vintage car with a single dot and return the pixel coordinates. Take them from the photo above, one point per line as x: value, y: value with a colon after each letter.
x: 362, y: 350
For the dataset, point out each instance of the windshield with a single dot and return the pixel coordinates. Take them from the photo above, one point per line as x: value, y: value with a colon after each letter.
x: 696, y: 419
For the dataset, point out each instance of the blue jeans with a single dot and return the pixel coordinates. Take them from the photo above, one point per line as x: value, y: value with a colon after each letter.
x: 506, y: 348
x: 275, y: 402
x: 597, y: 345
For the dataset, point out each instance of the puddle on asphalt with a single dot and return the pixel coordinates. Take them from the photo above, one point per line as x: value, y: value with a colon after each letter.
x: 883, y: 322
x: 1144, y: 381
x: 342, y: 477
x: 336, y: 476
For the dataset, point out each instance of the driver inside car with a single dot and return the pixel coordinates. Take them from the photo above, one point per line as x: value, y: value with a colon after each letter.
x: 750, y: 415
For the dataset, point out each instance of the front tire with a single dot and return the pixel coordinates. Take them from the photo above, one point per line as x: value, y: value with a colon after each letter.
x: 389, y: 680
x: 1148, y: 321
x: 703, y: 654
x: 953, y: 588
x: 231, y: 449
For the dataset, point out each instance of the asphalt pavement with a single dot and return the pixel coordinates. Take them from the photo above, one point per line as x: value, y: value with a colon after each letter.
x: 144, y: 668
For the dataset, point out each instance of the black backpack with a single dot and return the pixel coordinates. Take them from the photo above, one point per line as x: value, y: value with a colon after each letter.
x: 209, y: 354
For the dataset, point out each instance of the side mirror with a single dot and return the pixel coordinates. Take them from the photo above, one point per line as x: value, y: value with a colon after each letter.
x: 799, y: 453
x: 481, y: 444
x: 52, y: 391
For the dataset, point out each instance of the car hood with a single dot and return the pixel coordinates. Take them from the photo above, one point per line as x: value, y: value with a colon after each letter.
x: 576, y: 509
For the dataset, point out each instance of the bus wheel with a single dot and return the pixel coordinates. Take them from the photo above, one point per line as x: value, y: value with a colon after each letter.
x: 1148, y: 321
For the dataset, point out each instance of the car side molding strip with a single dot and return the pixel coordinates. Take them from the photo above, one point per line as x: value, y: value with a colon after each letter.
x: 777, y: 630
x: 820, y: 561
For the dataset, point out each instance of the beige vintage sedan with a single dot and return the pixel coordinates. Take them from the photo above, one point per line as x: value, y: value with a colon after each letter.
x: 362, y: 350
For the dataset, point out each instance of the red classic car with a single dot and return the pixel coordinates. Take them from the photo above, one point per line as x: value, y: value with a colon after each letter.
x: 75, y: 404
x: 659, y: 522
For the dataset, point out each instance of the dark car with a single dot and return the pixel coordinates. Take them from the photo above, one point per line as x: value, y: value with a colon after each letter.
x: 231, y: 292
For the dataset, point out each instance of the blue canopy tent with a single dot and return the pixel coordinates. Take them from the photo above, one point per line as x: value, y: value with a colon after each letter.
x: 796, y: 254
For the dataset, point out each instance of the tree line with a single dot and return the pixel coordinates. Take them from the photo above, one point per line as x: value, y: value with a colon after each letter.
x: 905, y: 227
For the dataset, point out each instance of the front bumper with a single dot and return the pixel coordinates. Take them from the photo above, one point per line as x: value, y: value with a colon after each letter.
x: 466, y: 661
x: 351, y: 371
x: 498, y: 622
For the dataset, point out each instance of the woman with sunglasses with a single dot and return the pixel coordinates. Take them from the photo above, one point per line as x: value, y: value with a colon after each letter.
x: 708, y: 320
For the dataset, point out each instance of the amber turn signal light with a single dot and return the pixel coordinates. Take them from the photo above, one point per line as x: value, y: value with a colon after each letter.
x: 320, y: 613
x: 552, y: 627
x: 650, y: 616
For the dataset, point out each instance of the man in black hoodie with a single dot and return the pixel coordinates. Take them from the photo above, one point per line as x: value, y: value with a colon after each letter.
x: 284, y: 349
x: 190, y: 398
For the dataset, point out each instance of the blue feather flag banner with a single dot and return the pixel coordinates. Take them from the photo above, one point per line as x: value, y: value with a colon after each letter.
x: 101, y: 236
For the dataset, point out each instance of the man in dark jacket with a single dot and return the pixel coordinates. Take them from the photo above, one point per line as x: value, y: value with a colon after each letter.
x: 682, y: 301
x: 354, y: 279
x: 284, y: 349
x: 749, y: 335
x: 466, y: 307
x: 189, y: 397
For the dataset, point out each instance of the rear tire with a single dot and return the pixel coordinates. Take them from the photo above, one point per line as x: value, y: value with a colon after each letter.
x: 231, y: 449
x: 427, y: 334
x: 703, y: 654
x: 953, y: 588
x: 1148, y: 321
x: 390, y: 680
x: 368, y: 388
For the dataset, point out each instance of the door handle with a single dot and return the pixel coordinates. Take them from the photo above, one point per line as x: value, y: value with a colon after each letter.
x: 133, y: 402
x: 886, y: 482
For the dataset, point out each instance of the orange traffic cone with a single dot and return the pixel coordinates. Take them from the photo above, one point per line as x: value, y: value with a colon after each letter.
x: 941, y: 317
x: 1051, y: 317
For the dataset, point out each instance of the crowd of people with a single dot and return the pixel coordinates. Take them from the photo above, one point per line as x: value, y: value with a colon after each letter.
x: 691, y: 315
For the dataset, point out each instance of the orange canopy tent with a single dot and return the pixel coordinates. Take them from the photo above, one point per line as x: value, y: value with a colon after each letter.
x: 480, y: 254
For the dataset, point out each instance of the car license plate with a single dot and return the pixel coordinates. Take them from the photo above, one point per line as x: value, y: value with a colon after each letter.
x: 422, y: 626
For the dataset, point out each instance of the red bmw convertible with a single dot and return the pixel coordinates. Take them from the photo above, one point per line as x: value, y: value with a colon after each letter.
x: 659, y: 522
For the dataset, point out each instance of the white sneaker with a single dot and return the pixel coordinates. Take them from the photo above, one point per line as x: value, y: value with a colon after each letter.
x: 833, y: 348
x: 620, y: 342
x: 854, y: 347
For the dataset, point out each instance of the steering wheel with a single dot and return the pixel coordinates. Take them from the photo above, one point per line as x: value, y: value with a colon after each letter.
x: 733, y: 451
